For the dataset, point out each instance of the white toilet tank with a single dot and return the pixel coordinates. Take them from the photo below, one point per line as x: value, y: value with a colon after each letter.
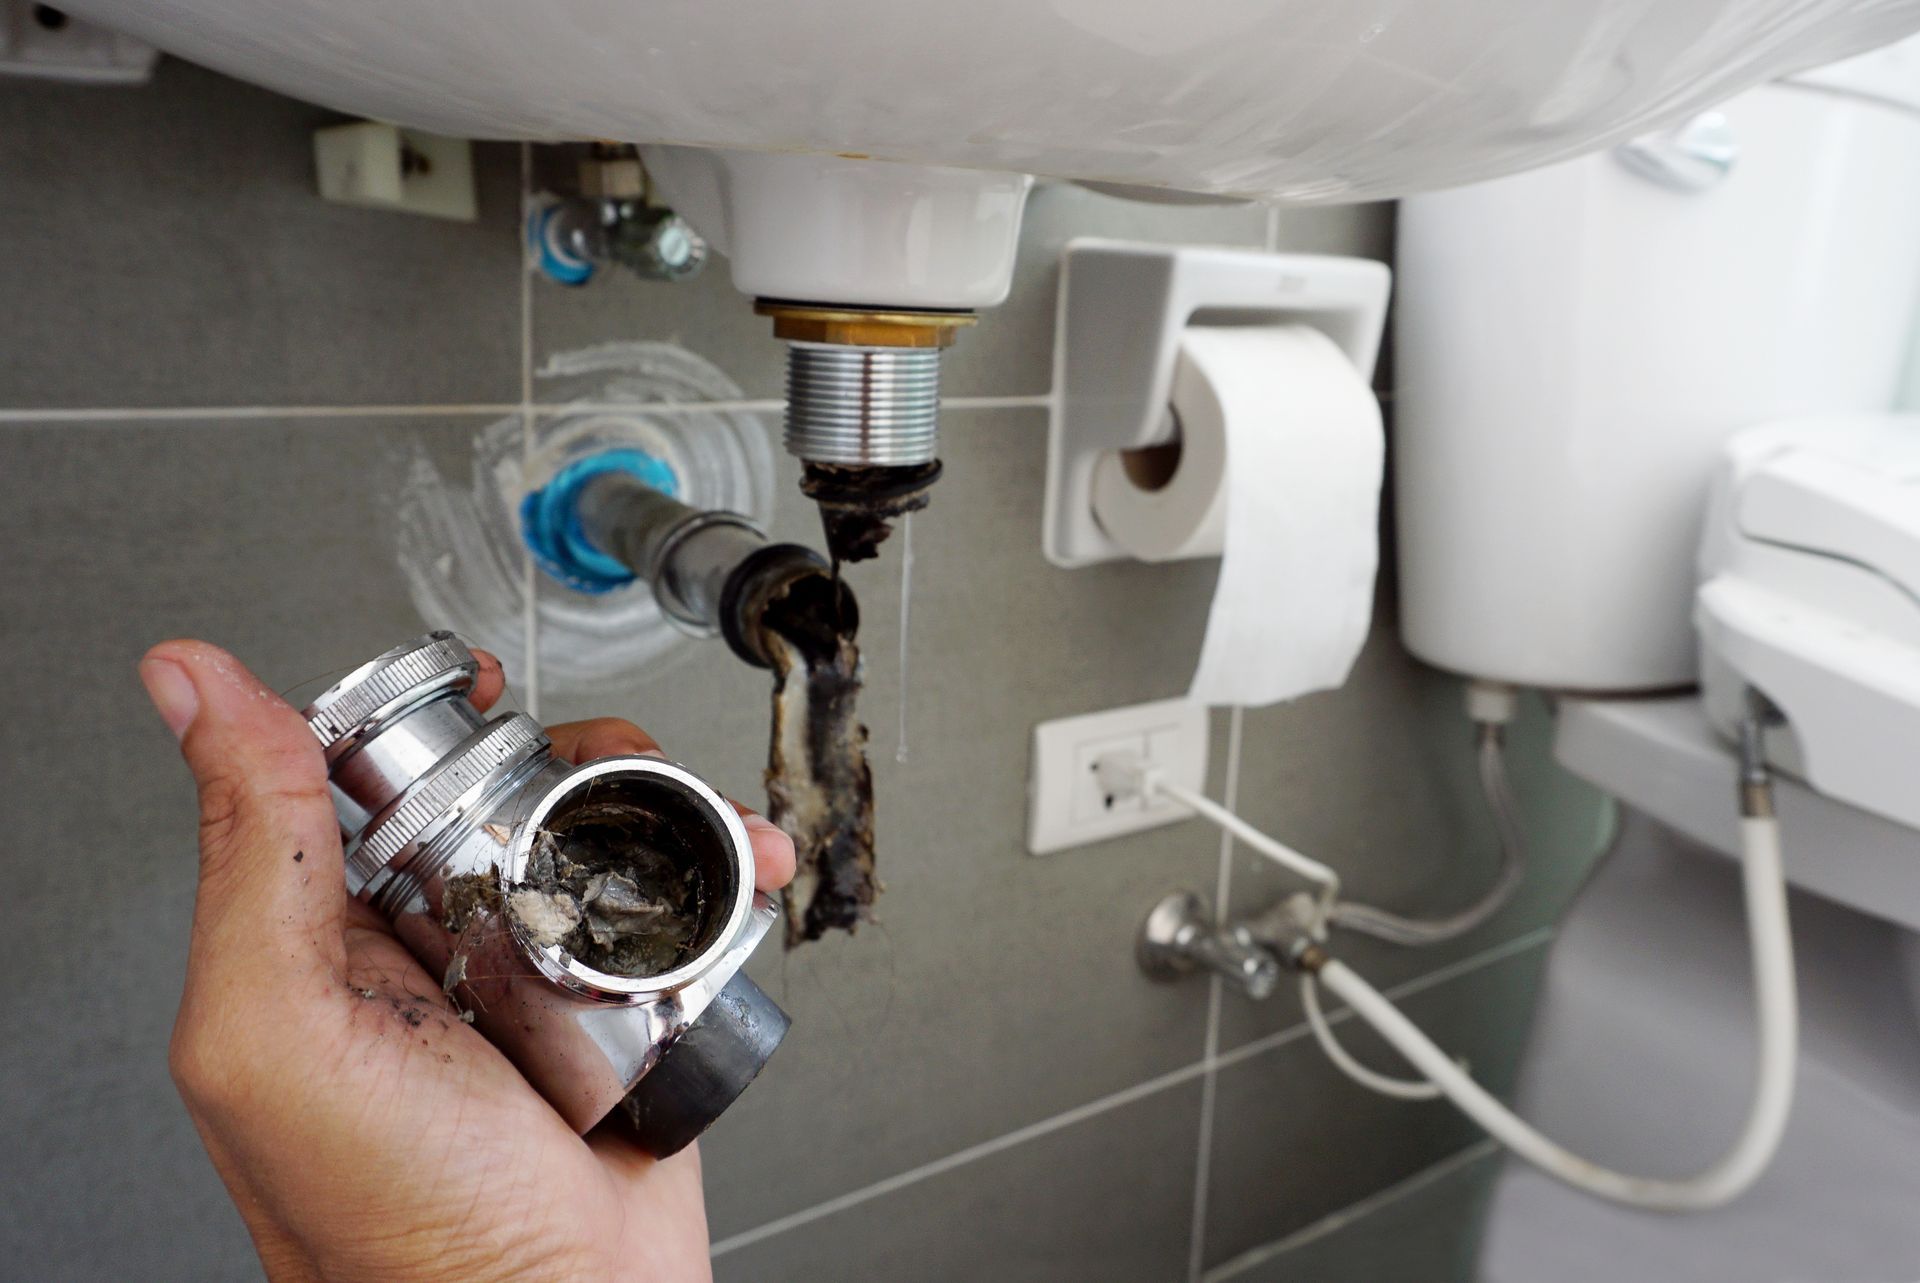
x: 1573, y: 344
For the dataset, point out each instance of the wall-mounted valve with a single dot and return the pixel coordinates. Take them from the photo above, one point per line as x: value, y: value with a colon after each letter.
x: 612, y: 218
x: 593, y: 918
x: 1179, y: 938
x: 571, y: 236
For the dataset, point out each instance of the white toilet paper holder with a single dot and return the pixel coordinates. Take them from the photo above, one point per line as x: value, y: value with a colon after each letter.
x: 1122, y: 308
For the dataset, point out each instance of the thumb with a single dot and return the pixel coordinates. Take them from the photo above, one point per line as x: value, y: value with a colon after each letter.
x: 271, y: 884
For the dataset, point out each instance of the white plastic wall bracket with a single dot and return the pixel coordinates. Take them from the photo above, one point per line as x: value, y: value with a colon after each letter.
x: 1117, y: 333
x: 47, y: 43
x: 383, y: 166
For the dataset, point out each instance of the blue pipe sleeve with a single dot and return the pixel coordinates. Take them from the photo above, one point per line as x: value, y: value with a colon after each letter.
x: 550, y: 519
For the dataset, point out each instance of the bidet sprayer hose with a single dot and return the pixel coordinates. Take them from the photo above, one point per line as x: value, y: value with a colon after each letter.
x: 1777, y: 1018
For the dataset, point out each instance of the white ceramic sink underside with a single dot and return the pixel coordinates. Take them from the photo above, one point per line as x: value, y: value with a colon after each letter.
x: 1299, y: 99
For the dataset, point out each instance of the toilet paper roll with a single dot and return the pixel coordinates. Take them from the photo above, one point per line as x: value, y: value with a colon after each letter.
x: 1279, y: 470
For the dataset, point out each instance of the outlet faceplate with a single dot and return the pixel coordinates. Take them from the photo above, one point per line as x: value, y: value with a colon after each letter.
x: 1067, y: 806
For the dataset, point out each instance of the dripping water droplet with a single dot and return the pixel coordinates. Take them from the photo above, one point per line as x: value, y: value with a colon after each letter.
x: 906, y: 614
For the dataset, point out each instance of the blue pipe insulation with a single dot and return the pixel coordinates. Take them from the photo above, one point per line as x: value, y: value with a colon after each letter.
x: 550, y: 519
x: 555, y: 259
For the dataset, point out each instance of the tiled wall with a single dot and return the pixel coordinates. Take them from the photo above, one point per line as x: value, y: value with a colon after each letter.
x: 206, y: 378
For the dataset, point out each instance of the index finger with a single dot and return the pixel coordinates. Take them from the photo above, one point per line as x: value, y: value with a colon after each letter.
x: 489, y: 683
x: 600, y: 737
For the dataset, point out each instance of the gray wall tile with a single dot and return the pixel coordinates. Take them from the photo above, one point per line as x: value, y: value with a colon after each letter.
x: 1105, y: 1200
x: 1011, y: 351
x: 129, y: 535
x: 165, y: 246
x: 1365, y: 231
x: 705, y: 315
x: 1428, y: 1235
x: 1294, y: 1140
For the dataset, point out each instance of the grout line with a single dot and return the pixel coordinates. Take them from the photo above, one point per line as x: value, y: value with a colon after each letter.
x: 1347, y: 1215
x: 525, y: 406
x: 1035, y: 400
x: 175, y: 412
x: 1273, y: 229
x: 1094, y: 1108
x: 530, y: 636
x: 526, y: 279
x: 1203, y: 1149
x: 960, y: 1158
x: 738, y: 406
x: 529, y: 573
x: 1222, y: 889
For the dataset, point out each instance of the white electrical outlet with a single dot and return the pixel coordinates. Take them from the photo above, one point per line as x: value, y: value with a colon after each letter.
x: 1068, y: 806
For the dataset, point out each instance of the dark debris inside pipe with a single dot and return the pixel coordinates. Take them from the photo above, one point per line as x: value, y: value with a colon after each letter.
x: 819, y: 784
x: 859, y: 504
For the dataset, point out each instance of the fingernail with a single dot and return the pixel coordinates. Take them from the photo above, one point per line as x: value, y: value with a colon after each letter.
x: 754, y: 820
x: 172, y: 693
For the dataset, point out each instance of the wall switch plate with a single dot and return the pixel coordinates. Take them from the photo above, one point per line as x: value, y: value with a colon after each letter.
x: 1066, y: 804
x: 383, y: 166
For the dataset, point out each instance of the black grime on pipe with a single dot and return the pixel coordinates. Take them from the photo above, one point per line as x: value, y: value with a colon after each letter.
x: 819, y: 784
x: 859, y: 503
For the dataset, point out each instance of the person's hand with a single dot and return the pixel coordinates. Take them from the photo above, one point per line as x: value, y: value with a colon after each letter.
x: 360, y: 1141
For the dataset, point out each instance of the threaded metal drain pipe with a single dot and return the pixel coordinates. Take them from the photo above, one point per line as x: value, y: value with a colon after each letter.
x: 863, y: 406
x: 863, y: 412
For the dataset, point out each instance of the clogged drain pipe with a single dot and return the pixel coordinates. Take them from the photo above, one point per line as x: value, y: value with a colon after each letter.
x: 610, y: 519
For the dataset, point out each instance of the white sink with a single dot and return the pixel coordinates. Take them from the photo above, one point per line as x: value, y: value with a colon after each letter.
x: 1300, y: 100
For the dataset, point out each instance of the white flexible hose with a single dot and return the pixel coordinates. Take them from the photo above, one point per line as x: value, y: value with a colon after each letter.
x: 1279, y: 852
x: 1778, y: 1035
x: 1372, y: 1080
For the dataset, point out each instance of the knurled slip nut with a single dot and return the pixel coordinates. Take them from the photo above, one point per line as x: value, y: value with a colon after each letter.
x: 341, y: 713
